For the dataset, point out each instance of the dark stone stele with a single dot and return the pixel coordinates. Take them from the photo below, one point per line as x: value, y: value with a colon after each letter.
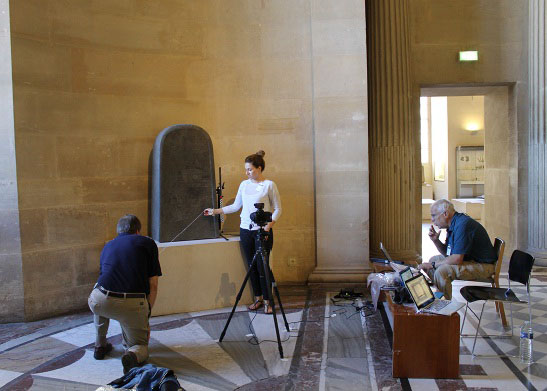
x: 183, y: 184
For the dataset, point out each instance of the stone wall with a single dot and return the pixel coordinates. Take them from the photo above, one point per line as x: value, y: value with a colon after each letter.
x: 95, y: 82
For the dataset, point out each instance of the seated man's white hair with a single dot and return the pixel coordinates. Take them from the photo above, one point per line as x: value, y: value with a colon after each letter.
x: 443, y: 205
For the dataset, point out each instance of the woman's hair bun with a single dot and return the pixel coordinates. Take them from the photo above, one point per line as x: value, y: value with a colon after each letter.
x: 261, y: 153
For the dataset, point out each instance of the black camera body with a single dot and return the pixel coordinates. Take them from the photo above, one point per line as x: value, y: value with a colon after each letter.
x: 260, y: 217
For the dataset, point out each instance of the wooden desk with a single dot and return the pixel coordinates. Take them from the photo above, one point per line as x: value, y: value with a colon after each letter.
x: 424, y: 345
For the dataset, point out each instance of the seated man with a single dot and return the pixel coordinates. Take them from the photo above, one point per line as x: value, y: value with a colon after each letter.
x: 468, y: 253
x: 126, y: 291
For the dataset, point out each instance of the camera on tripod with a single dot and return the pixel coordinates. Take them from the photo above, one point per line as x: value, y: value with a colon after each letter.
x: 260, y: 217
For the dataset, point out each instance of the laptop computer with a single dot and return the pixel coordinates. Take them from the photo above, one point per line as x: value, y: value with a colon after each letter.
x: 406, y: 275
x: 425, y: 301
x: 401, y: 267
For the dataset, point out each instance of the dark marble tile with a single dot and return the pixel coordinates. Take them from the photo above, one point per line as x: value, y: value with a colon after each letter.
x: 538, y: 369
x: 476, y: 370
x: 173, y: 324
x: 62, y: 361
x: 451, y: 384
x: 184, y: 368
x: 10, y: 331
x: 306, y: 363
x: 270, y: 384
x: 464, y: 351
x: 377, y: 329
x: 29, y: 356
x: 539, y: 306
x: 22, y: 383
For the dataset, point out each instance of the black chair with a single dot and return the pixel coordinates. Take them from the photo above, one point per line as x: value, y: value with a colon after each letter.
x: 494, y: 281
x: 520, y: 268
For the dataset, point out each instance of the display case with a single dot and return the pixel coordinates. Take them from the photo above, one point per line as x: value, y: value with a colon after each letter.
x: 470, y: 171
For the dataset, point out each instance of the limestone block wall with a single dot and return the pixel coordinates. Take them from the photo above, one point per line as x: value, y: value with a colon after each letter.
x: 255, y: 83
x: 95, y: 82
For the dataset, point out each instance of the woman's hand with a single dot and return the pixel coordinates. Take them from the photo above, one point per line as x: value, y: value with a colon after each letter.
x: 269, y: 226
x: 209, y: 212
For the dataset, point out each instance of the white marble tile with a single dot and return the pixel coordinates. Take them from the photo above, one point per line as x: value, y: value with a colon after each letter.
x: 88, y: 370
x: 85, y: 334
x: 265, y: 331
x: 193, y: 342
x: 7, y: 376
x: 371, y: 370
x: 423, y: 384
x: 389, y: 314
x: 478, y: 381
x: 482, y: 347
x: 501, y: 377
x: 322, y: 379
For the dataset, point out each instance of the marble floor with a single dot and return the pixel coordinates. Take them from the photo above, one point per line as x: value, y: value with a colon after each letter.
x: 330, y: 345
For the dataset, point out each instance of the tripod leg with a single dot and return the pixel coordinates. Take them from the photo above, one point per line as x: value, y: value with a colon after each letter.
x: 280, y: 305
x: 238, y: 297
x: 266, y: 264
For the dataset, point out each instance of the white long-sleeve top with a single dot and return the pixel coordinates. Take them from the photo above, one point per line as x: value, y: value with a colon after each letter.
x: 250, y: 193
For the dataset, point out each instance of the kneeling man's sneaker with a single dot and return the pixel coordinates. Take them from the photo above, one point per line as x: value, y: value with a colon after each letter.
x: 129, y: 360
x: 101, y: 351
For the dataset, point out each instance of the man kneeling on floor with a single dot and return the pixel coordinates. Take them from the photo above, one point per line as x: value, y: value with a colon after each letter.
x: 126, y: 291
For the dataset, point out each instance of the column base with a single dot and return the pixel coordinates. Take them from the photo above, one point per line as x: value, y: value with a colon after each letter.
x: 339, y: 275
x: 540, y: 256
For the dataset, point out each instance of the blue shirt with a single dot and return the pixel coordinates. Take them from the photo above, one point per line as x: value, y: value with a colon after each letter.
x: 466, y: 236
x: 127, y: 262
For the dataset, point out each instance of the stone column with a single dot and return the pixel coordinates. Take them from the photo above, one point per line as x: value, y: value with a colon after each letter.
x: 537, y: 145
x: 339, y: 100
x: 393, y: 143
x: 11, y: 269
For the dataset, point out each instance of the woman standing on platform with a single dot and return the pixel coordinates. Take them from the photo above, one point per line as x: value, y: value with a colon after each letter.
x: 253, y: 190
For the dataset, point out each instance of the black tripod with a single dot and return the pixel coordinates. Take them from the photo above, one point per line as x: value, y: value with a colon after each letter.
x: 261, y: 251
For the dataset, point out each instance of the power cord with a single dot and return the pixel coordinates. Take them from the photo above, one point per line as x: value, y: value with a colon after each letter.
x: 253, y: 340
x: 364, y: 310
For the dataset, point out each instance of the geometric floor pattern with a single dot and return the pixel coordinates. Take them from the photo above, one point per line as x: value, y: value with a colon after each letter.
x: 330, y: 346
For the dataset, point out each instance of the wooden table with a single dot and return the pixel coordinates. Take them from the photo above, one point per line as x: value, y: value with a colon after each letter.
x: 424, y: 345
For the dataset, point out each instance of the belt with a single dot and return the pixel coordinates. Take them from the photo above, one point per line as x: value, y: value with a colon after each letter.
x: 120, y: 294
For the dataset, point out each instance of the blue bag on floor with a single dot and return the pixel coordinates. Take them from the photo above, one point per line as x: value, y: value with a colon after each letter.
x: 148, y: 378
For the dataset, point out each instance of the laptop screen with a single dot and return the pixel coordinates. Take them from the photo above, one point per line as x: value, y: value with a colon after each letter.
x: 420, y: 291
x: 406, y: 275
x: 386, y: 254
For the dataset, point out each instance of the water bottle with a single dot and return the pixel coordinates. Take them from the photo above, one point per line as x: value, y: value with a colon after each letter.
x: 526, y: 338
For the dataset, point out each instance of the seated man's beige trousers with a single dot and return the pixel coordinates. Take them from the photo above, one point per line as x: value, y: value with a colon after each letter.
x: 469, y: 271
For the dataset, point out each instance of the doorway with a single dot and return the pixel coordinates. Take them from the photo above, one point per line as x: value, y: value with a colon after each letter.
x: 468, y: 157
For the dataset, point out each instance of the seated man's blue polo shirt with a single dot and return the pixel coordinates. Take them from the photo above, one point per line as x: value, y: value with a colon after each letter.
x: 127, y: 263
x: 467, y: 236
